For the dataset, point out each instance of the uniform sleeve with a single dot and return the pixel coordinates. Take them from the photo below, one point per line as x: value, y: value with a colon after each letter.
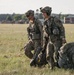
x: 28, y: 31
x: 61, y: 27
x: 41, y: 29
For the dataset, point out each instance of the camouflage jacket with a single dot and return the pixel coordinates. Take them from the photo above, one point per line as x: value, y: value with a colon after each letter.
x: 54, y: 28
x: 35, y: 30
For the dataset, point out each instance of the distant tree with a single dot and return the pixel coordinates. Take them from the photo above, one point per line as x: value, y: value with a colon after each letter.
x: 17, y: 17
x: 9, y: 18
x: 37, y: 12
x: 60, y: 15
x: 40, y: 16
x: 24, y: 17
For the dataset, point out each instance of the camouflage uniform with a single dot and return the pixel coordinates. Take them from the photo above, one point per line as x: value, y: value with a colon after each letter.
x: 35, y: 37
x: 53, y: 34
x: 66, y: 56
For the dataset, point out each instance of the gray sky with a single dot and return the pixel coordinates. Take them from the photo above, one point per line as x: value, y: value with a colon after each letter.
x: 21, y: 6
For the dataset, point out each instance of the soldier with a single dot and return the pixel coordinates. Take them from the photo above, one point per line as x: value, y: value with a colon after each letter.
x: 66, y: 56
x: 34, y: 33
x: 54, y: 35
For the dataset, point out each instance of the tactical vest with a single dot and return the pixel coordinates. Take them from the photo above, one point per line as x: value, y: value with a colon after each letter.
x: 34, y: 30
x: 52, y: 29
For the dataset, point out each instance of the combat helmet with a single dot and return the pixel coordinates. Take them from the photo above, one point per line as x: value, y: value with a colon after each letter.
x: 29, y: 12
x: 47, y: 10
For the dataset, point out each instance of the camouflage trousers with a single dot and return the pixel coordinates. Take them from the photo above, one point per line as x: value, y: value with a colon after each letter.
x: 52, y: 52
x: 30, y: 46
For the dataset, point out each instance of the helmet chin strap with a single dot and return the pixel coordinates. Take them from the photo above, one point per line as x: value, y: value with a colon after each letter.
x: 47, y: 17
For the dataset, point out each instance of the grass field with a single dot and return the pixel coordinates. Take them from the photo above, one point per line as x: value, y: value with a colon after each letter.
x: 13, y: 61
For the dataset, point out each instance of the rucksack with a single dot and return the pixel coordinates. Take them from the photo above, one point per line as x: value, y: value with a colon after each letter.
x: 66, y: 56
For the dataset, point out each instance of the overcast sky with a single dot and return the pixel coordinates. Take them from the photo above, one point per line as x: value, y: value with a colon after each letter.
x: 21, y: 6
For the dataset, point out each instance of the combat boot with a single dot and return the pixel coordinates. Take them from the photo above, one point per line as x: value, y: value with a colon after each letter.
x: 50, y: 63
x: 56, y: 64
x: 32, y: 63
x: 51, y: 66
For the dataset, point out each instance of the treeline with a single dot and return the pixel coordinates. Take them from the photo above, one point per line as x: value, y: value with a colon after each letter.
x: 16, y: 18
x: 13, y: 18
x: 21, y: 18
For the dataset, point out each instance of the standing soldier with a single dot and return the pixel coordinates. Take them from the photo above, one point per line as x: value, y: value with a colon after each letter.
x: 34, y: 33
x: 54, y: 35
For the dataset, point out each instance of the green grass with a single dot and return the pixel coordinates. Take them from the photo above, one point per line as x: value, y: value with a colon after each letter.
x: 13, y: 61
